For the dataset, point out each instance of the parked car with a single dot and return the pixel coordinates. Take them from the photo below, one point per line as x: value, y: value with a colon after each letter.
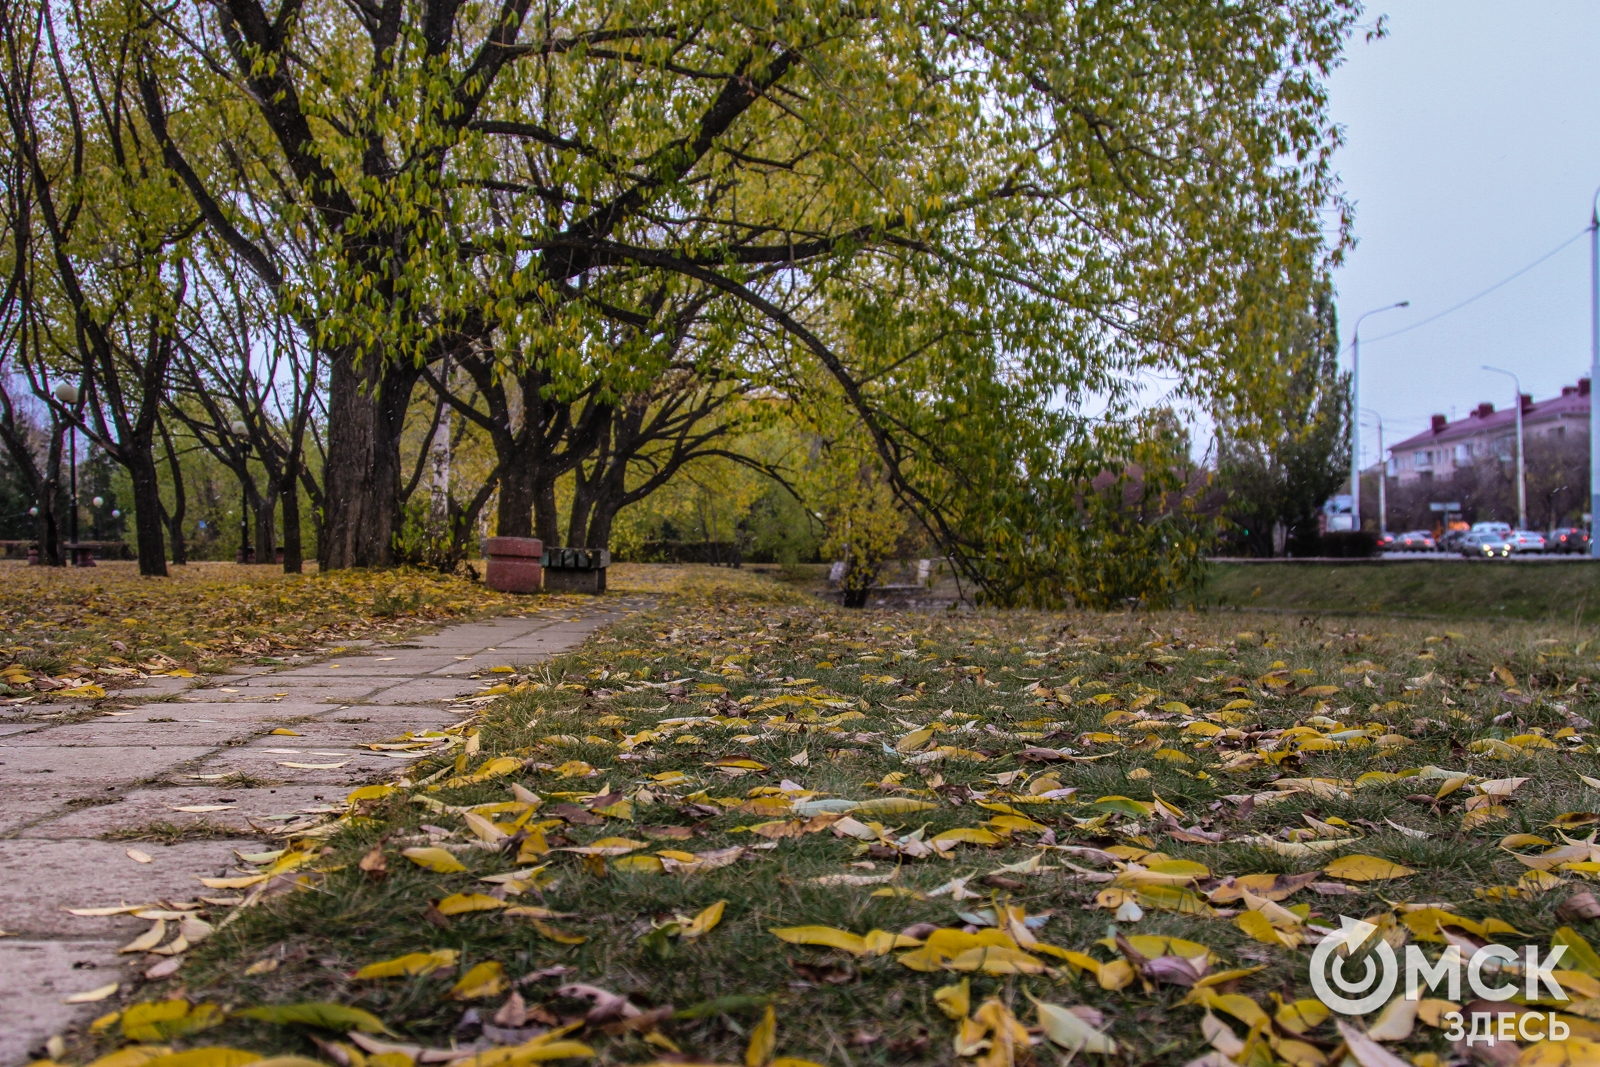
x: 1450, y: 541
x: 1568, y: 539
x: 1415, y: 541
x: 1385, y: 541
x: 1485, y: 544
x: 1523, y: 541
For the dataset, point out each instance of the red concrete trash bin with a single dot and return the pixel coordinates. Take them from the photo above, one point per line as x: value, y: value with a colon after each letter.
x: 514, y: 564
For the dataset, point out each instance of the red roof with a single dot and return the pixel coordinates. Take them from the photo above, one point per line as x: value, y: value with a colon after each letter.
x: 1572, y: 403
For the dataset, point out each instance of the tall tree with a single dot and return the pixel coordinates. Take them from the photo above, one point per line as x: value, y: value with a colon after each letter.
x: 29, y: 429
x: 1277, y: 472
x: 243, y: 363
x: 110, y: 237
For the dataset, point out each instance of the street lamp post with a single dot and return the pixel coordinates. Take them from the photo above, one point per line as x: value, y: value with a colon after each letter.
x: 1355, y: 416
x: 239, y: 429
x: 67, y: 393
x: 1383, y: 476
x: 1522, y: 491
x: 1594, y: 370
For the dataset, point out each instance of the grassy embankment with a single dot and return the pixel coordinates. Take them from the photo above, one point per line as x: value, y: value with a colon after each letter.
x: 1544, y: 591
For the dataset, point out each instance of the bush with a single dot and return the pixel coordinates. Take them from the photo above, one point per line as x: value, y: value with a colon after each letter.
x: 1349, y: 544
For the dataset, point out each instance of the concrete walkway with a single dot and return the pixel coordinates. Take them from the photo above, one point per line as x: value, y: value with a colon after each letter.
x: 77, y: 794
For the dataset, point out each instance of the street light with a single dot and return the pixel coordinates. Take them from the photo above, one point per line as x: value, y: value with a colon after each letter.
x: 1355, y: 416
x: 1594, y: 368
x: 1383, y: 476
x: 67, y: 393
x: 239, y: 429
x: 1522, y: 496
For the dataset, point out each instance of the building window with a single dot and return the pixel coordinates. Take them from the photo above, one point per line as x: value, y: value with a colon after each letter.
x: 1421, y: 459
x: 1463, y: 454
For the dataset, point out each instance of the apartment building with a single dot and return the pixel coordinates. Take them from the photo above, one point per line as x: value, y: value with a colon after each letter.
x: 1435, y: 453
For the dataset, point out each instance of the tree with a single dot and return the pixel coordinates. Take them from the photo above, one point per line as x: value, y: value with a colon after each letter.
x: 109, y: 241
x: 1278, y: 471
x: 958, y: 220
x: 30, y: 431
x: 240, y: 363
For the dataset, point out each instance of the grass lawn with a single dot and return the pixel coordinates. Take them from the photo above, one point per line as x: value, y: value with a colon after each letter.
x: 1559, y: 592
x: 1060, y: 808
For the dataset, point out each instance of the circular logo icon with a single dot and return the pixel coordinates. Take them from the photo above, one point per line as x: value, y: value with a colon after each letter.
x: 1381, y: 973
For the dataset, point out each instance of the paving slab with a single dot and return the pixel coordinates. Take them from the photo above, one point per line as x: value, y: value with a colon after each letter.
x: 104, y: 732
x: 69, y: 781
x: 269, y: 712
x: 248, y: 811
x: 24, y: 804
x: 25, y: 765
x: 35, y: 976
x: 44, y: 877
x: 397, y: 718
x: 154, y: 688
x: 328, y: 767
x: 423, y: 690
x: 314, y: 687
x: 346, y: 732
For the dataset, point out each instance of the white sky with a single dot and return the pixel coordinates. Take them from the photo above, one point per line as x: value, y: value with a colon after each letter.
x: 1470, y: 152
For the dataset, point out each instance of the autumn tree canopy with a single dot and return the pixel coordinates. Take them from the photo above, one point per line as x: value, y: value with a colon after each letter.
x: 964, y: 227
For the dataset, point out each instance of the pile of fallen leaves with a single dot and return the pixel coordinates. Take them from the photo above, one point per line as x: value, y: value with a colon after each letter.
x: 73, y: 634
x: 748, y: 828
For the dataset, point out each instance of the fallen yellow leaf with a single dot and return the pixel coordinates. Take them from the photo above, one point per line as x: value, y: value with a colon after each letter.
x: 1359, y: 868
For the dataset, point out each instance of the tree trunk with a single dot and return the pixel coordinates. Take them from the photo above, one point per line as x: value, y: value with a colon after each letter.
x: 141, y: 466
x: 47, y: 528
x: 583, y: 501
x: 439, y: 451
x: 586, y: 490
x: 48, y: 536
x: 610, y: 494
x: 519, y: 469
x: 289, y: 490
x: 463, y: 519
x: 180, y: 503
x: 361, y: 483
x: 599, y: 535
x: 44, y: 487
x: 266, y: 506
x: 546, y: 521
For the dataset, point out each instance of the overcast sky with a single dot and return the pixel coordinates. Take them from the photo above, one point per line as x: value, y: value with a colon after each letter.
x: 1470, y: 152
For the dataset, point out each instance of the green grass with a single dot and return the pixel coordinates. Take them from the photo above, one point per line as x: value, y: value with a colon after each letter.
x: 171, y: 833
x: 876, y: 1010
x: 1546, y: 592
